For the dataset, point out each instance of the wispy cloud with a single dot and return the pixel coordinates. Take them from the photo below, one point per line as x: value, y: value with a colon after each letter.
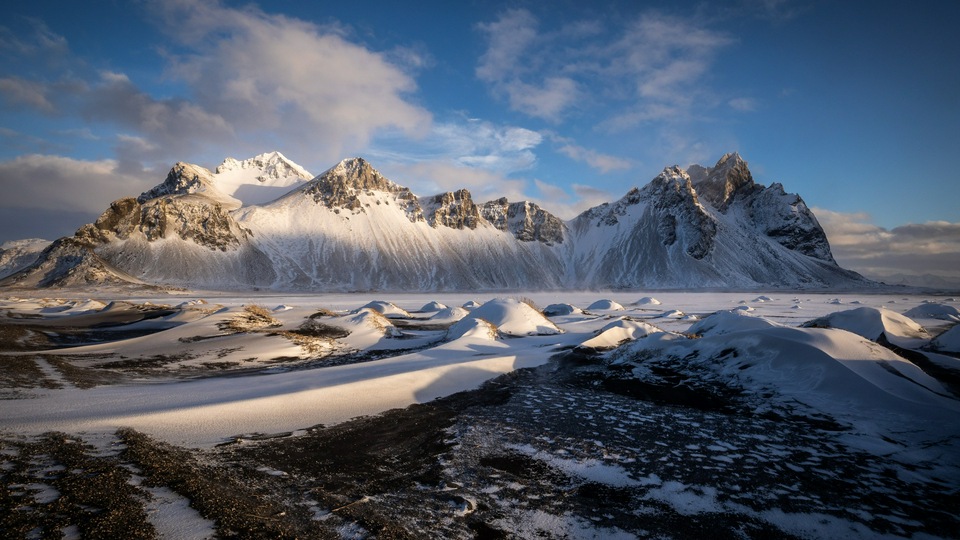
x: 566, y: 205
x: 467, y: 142
x: 32, y: 94
x: 916, y: 248
x: 509, y: 66
x: 33, y: 42
x: 604, y: 163
x: 648, y: 68
x: 743, y: 104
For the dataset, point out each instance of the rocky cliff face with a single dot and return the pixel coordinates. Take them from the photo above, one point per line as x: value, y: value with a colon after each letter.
x: 340, y: 188
x: 69, y: 262
x: 183, y: 178
x: 527, y: 221
x: 780, y: 215
x: 454, y: 209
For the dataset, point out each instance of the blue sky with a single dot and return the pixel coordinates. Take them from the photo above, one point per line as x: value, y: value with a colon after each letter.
x: 854, y: 105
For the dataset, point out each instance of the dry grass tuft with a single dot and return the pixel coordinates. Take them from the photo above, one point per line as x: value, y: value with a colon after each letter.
x: 253, y: 318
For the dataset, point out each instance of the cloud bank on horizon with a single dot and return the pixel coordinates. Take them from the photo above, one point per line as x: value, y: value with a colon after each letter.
x: 568, y: 106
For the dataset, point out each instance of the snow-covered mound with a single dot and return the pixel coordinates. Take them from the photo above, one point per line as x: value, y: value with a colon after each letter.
x: 948, y: 341
x: 932, y: 310
x: 605, y: 305
x: 872, y: 324
x: 471, y: 304
x: 387, y: 309
x: 472, y: 328
x: 511, y: 317
x: 672, y: 314
x: 449, y: 315
x: 559, y: 310
x: 806, y: 370
x: 430, y: 307
x: 75, y: 307
x: 726, y: 322
x: 369, y: 321
x: 648, y: 301
x: 617, y: 332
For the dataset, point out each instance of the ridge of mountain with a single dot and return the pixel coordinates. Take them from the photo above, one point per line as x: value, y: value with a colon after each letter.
x: 351, y: 228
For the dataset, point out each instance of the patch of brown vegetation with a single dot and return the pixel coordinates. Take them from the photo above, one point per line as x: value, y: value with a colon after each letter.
x: 253, y: 318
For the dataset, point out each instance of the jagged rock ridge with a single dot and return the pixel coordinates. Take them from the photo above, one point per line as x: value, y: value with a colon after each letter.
x: 351, y: 228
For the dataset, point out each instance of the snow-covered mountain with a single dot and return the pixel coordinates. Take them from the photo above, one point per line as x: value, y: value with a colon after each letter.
x: 257, y: 223
x: 350, y: 228
x: 19, y: 254
x: 704, y: 227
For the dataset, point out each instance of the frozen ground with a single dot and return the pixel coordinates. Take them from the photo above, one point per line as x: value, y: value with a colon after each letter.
x: 789, y: 414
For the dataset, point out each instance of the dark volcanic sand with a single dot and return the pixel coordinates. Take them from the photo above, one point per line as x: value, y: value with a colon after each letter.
x: 564, y: 450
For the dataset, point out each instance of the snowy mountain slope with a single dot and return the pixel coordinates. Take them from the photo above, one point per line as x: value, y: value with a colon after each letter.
x: 738, y: 234
x: 259, y: 179
x: 353, y: 229
x: 180, y: 232
x: 19, y: 254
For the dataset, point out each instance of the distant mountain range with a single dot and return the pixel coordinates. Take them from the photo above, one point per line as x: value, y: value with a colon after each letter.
x: 267, y: 223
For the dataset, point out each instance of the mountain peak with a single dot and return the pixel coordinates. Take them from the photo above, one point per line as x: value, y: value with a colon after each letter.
x: 357, y: 174
x: 274, y: 166
x: 720, y: 183
x: 182, y: 179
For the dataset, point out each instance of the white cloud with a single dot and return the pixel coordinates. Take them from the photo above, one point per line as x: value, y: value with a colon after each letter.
x: 743, y: 104
x: 507, y: 65
x: 165, y: 127
x: 913, y: 249
x: 470, y: 142
x: 562, y: 204
x: 602, y: 162
x: 432, y: 177
x: 22, y: 92
x: 61, y: 183
x: 306, y: 84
